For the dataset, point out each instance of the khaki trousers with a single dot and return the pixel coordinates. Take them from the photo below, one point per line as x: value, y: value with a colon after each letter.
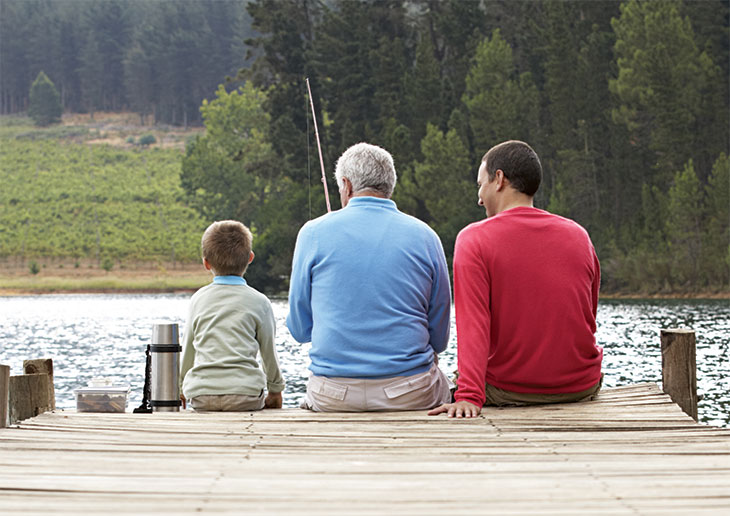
x: 422, y: 391
x: 227, y: 402
x: 501, y: 398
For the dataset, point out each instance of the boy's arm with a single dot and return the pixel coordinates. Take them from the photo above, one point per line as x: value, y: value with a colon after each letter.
x: 187, y: 358
x: 273, y: 400
x: 270, y: 361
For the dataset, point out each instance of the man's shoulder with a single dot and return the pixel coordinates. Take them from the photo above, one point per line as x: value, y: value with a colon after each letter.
x: 320, y: 223
x: 473, y: 229
x: 415, y: 223
x: 568, y: 226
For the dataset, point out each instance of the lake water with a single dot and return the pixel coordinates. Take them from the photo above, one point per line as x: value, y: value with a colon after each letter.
x: 89, y: 335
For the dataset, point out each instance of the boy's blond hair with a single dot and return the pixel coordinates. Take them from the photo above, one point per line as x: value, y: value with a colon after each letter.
x: 226, y: 244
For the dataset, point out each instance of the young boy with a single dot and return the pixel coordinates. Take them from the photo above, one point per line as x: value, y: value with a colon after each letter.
x: 228, y: 324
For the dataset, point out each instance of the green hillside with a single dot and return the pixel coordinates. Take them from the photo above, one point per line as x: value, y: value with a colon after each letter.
x: 64, y: 198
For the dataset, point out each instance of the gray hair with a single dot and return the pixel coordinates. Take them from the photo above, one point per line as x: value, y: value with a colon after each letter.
x: 368, y: 167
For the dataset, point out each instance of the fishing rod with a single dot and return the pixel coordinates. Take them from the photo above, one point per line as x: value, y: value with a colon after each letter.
x: 319, y: 148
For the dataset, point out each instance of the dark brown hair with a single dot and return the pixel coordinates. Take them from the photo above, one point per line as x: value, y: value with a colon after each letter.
x: 520, y: 165
x: 226, y: 244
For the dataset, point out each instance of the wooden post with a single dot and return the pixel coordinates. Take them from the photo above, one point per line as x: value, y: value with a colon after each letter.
x: 4, y: 389
x: 28, y: 396
x: 42, y: 366
x: 679, y: 368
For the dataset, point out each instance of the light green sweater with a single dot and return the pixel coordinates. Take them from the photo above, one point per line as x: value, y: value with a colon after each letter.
x: 227, y: 326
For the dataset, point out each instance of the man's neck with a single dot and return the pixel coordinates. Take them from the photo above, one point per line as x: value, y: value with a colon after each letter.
x: 368, y: 193
x: 516, y: 201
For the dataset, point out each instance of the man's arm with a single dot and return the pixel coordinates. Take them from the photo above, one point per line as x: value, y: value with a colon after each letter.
x: 595, y: 287
x: 299, y: 321
x: 439, y: 305
x: 473, y: 325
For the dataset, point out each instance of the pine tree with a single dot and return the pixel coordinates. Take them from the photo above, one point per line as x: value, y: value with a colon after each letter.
x: 660, y: 77
x: 447, y: 185
x: 686, y: 213
x: 716, y: 239
x: 45, y: 102
x: 502, y: 104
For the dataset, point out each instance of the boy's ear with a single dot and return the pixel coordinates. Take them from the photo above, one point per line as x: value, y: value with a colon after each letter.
x: 206, y: 264
x: 250, y: 257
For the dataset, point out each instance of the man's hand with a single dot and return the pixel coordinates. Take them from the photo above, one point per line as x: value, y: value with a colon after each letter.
x: 459, y: 409
x: 273, y: 400
x: 184, y: 401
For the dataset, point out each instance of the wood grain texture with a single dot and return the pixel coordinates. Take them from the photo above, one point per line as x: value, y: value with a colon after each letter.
x: 42, y: 366
x: 28, y: 396
x: 631, y: 451
x: 679, y: 368
x: 4, y: 388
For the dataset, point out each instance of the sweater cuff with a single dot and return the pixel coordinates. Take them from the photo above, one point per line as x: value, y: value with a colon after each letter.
x: 274, y: 387
x: 474, y: 400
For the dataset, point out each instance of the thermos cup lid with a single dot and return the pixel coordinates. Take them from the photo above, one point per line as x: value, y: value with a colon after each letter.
x: 165, y: 333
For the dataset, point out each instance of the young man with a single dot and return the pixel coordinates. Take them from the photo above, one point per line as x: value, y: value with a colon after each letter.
x: 526, y: 292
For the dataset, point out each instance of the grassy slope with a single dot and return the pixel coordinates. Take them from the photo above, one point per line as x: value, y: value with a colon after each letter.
x: 67, y: 200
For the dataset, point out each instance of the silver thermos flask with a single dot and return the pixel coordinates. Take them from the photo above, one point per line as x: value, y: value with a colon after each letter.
x: 165, y: 375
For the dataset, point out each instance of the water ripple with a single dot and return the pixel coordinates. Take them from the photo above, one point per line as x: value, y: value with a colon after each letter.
x: 105, y: 335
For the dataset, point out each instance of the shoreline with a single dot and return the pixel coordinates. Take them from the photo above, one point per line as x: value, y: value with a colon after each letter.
x: 170, y: 289
x: 189, y: 277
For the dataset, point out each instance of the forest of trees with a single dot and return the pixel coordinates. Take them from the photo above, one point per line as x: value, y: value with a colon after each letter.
x: 627, y: 103
x: 157, y: 58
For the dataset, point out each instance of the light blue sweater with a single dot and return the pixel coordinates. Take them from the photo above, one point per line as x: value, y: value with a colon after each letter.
x: 370, y: 289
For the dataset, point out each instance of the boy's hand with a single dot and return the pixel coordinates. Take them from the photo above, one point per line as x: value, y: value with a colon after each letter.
x: 273, y: 400
x: 184, y: 401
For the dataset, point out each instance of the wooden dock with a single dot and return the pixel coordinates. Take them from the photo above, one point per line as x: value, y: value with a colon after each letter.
x: 631, y: 451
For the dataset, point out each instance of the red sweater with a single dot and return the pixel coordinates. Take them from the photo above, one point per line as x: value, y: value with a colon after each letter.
x: 526, y: 292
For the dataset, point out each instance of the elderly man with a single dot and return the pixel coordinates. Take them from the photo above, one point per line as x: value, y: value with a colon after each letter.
x: 370, y: 290
x: 526, y: 292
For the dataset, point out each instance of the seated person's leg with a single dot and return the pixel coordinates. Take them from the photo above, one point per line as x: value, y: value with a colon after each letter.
x: 205, y: 403
x: 241, y: 403
x: 502, y: 398
x: 334, y: 394
x: 418, y: 392
x: 227, y: 403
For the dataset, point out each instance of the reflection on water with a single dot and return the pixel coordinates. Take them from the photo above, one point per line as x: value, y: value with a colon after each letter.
x: 105, y: 335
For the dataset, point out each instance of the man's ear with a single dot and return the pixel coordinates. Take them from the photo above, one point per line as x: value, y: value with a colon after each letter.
x: 251, y: 257
x: 206, y: 264
x: 346, y: 186
x: 501, y: 180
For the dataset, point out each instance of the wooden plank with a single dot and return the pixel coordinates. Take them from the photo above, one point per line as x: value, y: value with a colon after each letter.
x: 679, y: 368
x: 42, y: 366
x: 631, y: 452
x: 4, y: 388
x: 28, y: 396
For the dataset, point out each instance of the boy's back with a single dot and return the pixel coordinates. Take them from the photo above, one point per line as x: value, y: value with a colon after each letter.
x: 227, y: 326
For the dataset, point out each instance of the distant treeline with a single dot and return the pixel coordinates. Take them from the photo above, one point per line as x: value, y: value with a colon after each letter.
x: 159, y: 58
x: 627, y: 103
